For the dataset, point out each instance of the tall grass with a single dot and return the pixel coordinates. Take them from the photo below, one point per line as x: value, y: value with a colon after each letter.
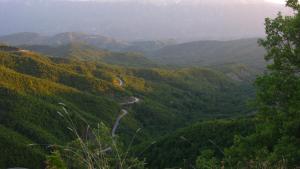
x: 96, y: 148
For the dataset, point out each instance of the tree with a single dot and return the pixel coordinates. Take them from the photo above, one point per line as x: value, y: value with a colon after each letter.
x: 277, y: 137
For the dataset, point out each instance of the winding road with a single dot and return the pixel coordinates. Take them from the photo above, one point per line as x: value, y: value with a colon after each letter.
x: 124, y: 112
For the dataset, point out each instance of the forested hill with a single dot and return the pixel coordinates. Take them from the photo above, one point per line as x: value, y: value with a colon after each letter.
x: 165, y: 52
x: 32, y: 85
x: 212, y: 53
x: 84, y: 52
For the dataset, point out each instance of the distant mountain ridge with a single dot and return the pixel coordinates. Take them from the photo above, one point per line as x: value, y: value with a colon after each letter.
x: 82, y: 46
x: 97, y: 41
x: 134, y: 20
x: 28, y: 38
x: 212, y: 53
x: 22, y: 38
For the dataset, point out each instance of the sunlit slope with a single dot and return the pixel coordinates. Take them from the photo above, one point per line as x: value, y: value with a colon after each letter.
x: 84, y: 52
x: 32, y: 85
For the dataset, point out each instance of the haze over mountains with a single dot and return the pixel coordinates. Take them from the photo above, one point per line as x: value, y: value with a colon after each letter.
x: 100, y: 48
x: 212, y: 53
x: 139, y: 20
x: 98, y: 41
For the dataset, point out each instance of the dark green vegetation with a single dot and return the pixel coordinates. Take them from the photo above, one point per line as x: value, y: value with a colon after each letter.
x: 32, y: 85
x: 277, y: 139
x: 268, y: 140
x: 181, y: 148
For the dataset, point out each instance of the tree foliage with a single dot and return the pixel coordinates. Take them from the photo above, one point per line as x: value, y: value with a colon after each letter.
x: 277, y: 137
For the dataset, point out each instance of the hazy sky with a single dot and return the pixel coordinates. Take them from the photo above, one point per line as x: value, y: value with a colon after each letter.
x: 192, y: 1
x: 184, y: 20
x: 169, y: 2
x: 175, y: 1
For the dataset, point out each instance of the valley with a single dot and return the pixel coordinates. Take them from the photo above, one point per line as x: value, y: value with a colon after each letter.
x: 157, y: 99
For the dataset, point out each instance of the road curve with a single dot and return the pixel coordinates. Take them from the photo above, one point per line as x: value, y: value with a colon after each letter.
x: 121, y: 82
x: 132, y: 101
x: 123, y: 114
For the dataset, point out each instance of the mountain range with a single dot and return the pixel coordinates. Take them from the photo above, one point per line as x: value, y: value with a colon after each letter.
x: 97, y: 41
x: 212, y: 53
x: 222, y: 55
x: 136, y: 20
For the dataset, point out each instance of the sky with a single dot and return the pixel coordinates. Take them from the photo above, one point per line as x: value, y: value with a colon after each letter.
x: 277, y: 1
x: 168, y: 2
x: 176, y: 1
x: 192, y: 1
x: 184, y: 20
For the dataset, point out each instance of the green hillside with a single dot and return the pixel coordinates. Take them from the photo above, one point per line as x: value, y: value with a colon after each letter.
x: 83, y: 52
x: 32, y: 85
x: 180, y: 149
